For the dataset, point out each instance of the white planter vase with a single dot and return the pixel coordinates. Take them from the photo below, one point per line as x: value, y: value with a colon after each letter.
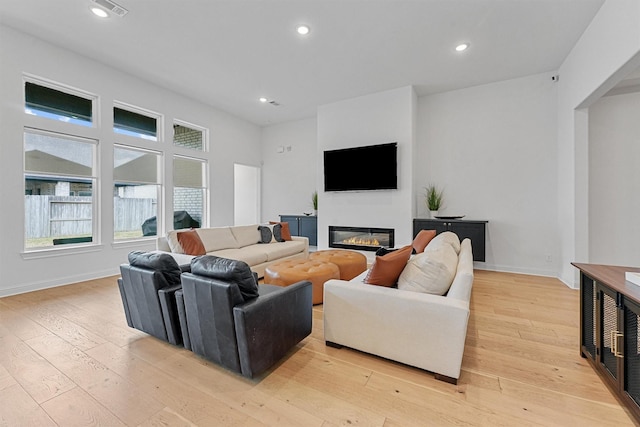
x: 433, y: 214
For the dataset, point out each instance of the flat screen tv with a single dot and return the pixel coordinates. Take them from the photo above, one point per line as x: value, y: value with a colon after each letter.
x: 372, y: 167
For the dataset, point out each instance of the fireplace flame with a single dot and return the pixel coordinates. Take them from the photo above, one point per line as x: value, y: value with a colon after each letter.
x: 371, y: 241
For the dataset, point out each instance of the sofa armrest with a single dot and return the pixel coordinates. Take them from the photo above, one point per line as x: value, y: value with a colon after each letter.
x: 182, y: 317
x: 418, y: 329
x: 269, y: 326
x: 301, y: 238
x: 170, y: 313
x: 125, y: 303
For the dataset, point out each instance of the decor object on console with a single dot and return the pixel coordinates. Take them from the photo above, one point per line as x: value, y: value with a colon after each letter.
x: 237, y: 242
x: 433, y: 199
x: 419, y: 329
x: 314, y: 202
x: 147, y: 288
x: 228, y: 319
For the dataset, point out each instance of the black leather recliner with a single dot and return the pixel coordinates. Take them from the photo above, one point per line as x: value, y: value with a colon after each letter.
x: 147, y: 288
x: 228, y: 319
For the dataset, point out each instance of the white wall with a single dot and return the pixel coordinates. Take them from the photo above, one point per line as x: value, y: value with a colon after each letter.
x: 289, y: 177
x: 604, y: 54
x: 373, y: 119
x: 492, y: 148
x: 231, y: 141
x: 614, y: 175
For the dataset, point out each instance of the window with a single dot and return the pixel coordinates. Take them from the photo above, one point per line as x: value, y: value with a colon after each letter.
x: 138, y: 124
x: 55, y: 104
x: 59, y: 189
x: 189, y: 187
x: 188, y: 136
x: 135, y: 192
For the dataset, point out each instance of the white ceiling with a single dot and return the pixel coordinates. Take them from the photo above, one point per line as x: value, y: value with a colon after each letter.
x: 228, y: 53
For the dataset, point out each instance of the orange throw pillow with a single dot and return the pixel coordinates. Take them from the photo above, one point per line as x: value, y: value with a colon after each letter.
x: 422, y: 239
x: 387, y: 268
x: 191, y: 243
x: 285, y: 233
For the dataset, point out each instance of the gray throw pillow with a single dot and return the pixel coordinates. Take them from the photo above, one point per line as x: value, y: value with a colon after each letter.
x: 270, y: 233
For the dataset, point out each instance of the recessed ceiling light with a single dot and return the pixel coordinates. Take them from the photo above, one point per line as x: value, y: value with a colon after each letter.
x: 262, y: 99
x: 462, y: 47
x: 303, y: 30
x: 99, y: 12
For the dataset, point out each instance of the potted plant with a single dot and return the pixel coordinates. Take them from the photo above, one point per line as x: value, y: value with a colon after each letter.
x: 314, y: 201
x: 433, y: 199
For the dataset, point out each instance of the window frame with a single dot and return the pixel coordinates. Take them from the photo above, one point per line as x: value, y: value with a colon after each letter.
x: 202, y: 129
x: 143, y: 112
x: 93, y: 178
x: 60, y: 87
x: 159, y: 193
x: 205, y: 189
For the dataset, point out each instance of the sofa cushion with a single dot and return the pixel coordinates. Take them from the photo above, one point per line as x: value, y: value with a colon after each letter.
x: 172, y: 241
x: 158, y: 261
x: 246, y: 235
x: 271, y: 233
x: 252, y: 255
x: 283, y: 249
x: 228, y: 270
x: 422, y: 239
x: 445, y: 238
x: 190, y: 242
x: 430, y: 272
x: 217, y: 238
x: 286, y: 231
x: 387, y: 268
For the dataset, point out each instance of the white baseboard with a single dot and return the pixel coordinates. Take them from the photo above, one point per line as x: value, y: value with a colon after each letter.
x: 59, y: 281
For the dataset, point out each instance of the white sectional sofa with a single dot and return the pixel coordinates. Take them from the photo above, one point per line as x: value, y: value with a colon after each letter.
x: 419, y: 329
x: 239, y: 243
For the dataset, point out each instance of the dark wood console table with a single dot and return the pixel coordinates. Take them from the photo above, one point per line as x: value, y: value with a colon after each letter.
x: 610, y: 329
x: 474, y: 230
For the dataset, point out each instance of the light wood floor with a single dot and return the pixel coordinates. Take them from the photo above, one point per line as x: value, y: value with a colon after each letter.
x: 67, y: 358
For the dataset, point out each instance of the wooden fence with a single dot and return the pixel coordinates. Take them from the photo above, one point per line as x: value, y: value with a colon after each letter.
x: 57, y: 216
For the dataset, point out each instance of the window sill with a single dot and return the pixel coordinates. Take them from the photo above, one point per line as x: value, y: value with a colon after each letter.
x: 134, y: 243
x: 55, y: 252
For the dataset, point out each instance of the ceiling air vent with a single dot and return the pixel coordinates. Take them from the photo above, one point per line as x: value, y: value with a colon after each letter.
x: 111, y: 7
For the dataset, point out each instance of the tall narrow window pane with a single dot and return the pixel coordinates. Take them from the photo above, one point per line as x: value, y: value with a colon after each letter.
x: 134, y: 124
x: 184, y: 136
x: 59, y: 183
x: 135, y: 193
x: 189, y: 192
x: 57, y: 105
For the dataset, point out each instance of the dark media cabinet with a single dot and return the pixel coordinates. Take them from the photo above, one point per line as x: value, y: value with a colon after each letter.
x: 303, y: 225
x: 610, y: 329
x: 474, y: 230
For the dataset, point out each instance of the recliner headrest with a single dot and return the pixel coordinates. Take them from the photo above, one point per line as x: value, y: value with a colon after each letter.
x: 228, y: 270
x: 157, y: 261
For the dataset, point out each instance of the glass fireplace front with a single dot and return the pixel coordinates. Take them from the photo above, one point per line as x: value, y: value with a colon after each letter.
x: 360, y: 238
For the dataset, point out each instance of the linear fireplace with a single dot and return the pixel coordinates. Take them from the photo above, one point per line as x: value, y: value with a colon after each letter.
x: 361, y: 238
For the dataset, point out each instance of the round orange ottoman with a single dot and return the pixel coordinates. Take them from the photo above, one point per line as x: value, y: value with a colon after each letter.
x: 350, y: 263
x: 285, y: 273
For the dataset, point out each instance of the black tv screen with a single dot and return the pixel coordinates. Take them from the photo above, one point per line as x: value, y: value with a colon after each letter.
x: 373, y: 167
